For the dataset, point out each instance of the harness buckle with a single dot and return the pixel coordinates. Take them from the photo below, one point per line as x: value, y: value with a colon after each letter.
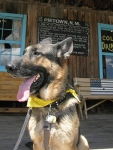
x: 51, y: 118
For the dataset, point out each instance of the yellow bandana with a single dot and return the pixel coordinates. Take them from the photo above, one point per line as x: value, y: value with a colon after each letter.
x: 37, y: 102
x: 72, y: 92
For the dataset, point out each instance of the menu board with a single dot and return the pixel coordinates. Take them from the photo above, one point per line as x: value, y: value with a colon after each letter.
x: 59, y: 29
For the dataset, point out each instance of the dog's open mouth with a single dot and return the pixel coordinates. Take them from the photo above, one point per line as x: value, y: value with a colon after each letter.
x: 27, y: 86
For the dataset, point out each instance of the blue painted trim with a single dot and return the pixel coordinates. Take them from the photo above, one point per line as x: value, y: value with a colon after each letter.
x: 16, y: 18
x: 23, y: 34
x: 107, y: 54
x: 11, y: 15
x: 8, y: 41
x: 106, y: 26
x: 100, y: 51
x: 2, y: 69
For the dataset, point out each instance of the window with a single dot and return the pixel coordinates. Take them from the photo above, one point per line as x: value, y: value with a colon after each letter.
x: 105, y: 35
x: 12, y: 37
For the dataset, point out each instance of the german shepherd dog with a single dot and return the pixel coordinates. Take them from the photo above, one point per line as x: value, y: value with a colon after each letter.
x: 46, y: 78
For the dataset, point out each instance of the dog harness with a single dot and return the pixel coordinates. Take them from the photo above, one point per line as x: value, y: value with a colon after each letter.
x: 38, y: 103
x: 35, y: 102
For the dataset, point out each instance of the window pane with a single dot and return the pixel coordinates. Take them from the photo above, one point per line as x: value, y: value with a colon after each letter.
x: 13, y: 49
x: 7, y: 23
x: 4, y: 60
x: 1, y: 22
x: 15, y: 33
x: 108, y: 67
x: 6, y: 34
x: 5, y: 48
x: 0, y: 34
x: 15, y: 57
x: 17, y: 27
x: 5, y: 54
x: 5, y: 51
x: 16, y: 49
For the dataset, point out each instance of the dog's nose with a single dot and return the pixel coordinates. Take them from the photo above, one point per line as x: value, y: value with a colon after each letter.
x: 10, y: 67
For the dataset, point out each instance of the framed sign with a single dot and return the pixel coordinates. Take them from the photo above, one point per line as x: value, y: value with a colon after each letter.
x: 105, y: 43
x: 59, y: 29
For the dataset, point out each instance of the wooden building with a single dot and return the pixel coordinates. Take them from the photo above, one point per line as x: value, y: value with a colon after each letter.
x: 91, y: 11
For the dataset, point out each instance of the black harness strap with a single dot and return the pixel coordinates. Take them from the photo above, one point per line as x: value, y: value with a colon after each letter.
x: 47, y: 125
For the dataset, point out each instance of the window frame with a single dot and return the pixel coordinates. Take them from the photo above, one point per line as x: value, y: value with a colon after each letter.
x: 107, y: 27
x: 22, y: 17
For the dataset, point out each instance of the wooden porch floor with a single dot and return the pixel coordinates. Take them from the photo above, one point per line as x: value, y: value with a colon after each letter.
x: 98, y: 129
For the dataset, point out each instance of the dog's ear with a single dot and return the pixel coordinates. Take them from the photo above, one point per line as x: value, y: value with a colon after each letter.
x: 46, y: 41
x: 65, y: 48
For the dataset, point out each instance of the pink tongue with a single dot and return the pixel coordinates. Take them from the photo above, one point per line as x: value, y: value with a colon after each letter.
x: 24, y: 90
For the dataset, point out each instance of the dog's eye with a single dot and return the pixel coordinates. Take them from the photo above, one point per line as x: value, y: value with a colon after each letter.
x: 36, y: 53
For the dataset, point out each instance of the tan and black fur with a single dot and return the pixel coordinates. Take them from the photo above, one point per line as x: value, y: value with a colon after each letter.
x: 46, y: 60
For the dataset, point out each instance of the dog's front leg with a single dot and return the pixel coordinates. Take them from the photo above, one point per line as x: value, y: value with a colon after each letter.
x: 37, y: 147
x: 37, y: 140
x: 83, y: 144
x: 35, y: 127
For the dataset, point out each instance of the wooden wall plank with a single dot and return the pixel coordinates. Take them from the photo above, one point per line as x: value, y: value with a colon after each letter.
x: 34, y: 25
x: 29, y: 35
x: 43, y: 11
x: 90, y: 57
x: 110, y: 19
x: 82, y: 59
x: 8, y: 91
x: 74, y: 58
x: 8, y: 87
x: 13, y: 82
x: 55, y: 12
x: 8, y: 97
x: 65, y: 12
x: 95, y: 49
x: 93, y: 54
x: 70, y: 60
x: 87, y: 71
x: 13, y: 110
x: 38, y: 15
x: 48, y: 11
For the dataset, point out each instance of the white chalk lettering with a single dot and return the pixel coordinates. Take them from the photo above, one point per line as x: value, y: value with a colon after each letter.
x: 76, y: 23
x: 58, y: 21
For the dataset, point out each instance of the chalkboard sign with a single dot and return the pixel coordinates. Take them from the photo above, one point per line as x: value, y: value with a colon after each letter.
x: 107, y: 41
x: 59, y: 29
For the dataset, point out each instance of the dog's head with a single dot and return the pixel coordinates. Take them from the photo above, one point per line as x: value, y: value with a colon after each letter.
x: 40, y: 64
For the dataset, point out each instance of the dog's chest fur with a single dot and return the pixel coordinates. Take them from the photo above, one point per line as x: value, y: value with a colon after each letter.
x: 61, y: 135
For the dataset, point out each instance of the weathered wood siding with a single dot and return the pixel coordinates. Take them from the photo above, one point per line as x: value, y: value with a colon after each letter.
x: 8, y: 87
x: 79, y: 66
